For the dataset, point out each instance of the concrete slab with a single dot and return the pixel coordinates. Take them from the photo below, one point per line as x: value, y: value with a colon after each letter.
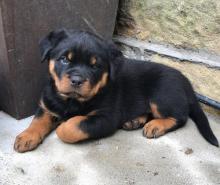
x: 126, y: 158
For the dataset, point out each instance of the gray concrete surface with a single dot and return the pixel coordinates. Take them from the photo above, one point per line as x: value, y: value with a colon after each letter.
x: 126, y: 158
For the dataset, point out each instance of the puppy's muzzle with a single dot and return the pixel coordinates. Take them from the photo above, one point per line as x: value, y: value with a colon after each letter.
x: 76, y: 81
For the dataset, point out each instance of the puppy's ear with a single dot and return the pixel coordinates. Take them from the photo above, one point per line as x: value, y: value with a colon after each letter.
x: 113, y: 50
x: 50, y: 41
x: 114, y: 64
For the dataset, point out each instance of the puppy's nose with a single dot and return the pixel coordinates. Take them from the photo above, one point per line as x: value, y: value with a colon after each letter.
x: 76, y: 80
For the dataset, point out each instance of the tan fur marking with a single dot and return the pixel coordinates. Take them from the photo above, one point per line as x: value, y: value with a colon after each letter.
x: 43, y: 106
x: 93, y: 113
x: 88, y: 92
x: 64, y: 96
x: 70, y: 55
x: 142, y: 119
x: 154, y: 110
x: 63, y: 85
x: 100, y: 84
x: 30, y: 138
x: 93, y: 61
x: 70, y: 132
x: 42, y: 124
x: 158, y: 127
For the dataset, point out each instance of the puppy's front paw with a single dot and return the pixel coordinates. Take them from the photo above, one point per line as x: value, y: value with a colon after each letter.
x: 27, y: 140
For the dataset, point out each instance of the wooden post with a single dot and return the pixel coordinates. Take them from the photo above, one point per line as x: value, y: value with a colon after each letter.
x: 22, y: 24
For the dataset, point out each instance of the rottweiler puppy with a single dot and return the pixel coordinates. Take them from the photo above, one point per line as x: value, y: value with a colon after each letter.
x: 94, y: 90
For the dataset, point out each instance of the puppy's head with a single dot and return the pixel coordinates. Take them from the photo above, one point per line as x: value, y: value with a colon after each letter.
x: 79, y: 62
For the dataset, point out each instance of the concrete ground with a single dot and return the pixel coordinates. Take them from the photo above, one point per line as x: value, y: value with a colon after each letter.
x: 126, y: 158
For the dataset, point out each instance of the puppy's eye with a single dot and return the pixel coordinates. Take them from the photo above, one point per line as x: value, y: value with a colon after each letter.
x: 64, y: 60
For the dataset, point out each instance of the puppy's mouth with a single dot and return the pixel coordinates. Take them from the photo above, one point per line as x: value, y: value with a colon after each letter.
x: 73, y: 94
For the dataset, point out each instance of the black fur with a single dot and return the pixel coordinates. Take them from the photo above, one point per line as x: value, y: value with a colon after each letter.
x: 132, y: 85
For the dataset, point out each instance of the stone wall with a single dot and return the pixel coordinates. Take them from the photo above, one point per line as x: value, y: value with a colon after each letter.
x: 185, y: 23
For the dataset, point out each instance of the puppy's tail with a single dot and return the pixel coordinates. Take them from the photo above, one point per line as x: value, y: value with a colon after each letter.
x: 199, y: 117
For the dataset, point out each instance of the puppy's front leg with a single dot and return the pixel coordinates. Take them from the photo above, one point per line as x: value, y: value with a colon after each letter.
x: 81, y: 128
x: 30, y: 138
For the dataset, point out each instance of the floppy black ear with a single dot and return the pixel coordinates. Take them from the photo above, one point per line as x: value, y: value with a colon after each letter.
x: 114, y: 64
x: 50, y: 41
x: 113, y: 50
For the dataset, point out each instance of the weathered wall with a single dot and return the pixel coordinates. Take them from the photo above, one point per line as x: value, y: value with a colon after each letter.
x: 186, y: 23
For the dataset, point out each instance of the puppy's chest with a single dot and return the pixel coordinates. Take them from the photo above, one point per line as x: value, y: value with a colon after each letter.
x: 74, y: 109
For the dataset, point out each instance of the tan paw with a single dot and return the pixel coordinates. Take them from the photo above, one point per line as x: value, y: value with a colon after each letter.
x: 158, y: 127
x: 27, y: 140
x: 153, y: 130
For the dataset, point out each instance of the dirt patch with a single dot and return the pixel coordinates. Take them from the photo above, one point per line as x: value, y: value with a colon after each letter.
x: 185, y: 23
x: 188, y: 151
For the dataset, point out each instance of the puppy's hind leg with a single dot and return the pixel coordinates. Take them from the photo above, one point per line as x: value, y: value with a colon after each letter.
x: 162, y: 124
x: 136, y: 123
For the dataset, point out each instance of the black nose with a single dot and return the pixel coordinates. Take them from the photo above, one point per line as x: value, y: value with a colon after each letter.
x: 76, y: 80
